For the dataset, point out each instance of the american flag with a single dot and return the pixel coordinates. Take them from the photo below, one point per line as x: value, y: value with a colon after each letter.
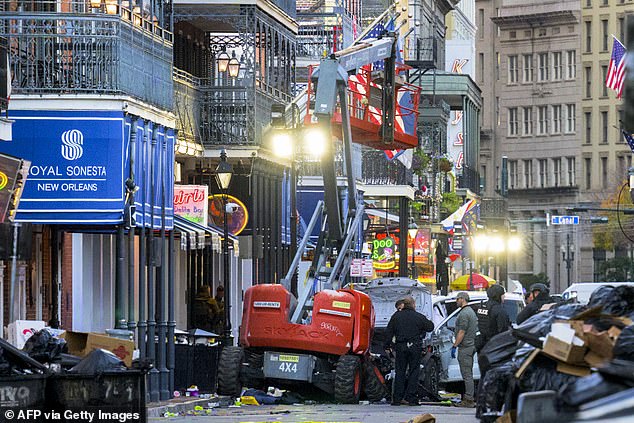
x: 629, y: 139
x: 616, y: 69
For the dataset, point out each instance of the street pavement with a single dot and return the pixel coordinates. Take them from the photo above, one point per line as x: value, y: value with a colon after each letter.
x: 372, y: 413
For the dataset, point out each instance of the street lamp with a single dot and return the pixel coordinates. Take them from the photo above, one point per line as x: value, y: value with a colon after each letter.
x: 233, y: 66
x: 568, y: 256
x: 223, y: 61
x: 224, y: 172
x: 412, y: 230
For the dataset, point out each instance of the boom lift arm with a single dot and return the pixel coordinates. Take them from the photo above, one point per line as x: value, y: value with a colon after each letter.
x: 340, y: 228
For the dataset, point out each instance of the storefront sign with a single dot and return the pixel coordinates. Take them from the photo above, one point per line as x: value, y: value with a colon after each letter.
x: 384, y: 253
x: 237, y: 213
x: 190, y: 202
x: 80, y: 161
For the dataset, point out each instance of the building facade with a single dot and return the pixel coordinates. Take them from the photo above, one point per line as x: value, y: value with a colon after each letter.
x: 528, y: 67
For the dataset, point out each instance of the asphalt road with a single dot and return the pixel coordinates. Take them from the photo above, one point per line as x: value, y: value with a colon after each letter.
x: 330, y: 413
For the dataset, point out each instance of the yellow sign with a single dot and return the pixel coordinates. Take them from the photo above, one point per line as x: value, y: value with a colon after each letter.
x: 291, y: 358
x: 341, y: 304
x: 4, y: 179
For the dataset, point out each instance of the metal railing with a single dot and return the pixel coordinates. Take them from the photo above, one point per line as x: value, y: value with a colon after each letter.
x: 377, y: 170
x: 187, y: 105
x: 4, y: 66
x: 73, y: 51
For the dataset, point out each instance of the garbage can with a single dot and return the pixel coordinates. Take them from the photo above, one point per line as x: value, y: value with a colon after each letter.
x: 23, y: 391
x: 196, y: 365
x: 107, y: 394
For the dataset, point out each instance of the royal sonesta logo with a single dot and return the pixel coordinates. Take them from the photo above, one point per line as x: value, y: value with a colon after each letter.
x: 72, y: 144
x: 52, y: 178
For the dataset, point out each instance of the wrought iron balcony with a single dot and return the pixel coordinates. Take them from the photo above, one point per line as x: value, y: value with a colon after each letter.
x: 470, y: 179
x: 69, y: 47
x: 4, y: 66
x: 423, y: 53
x: 377, y: 170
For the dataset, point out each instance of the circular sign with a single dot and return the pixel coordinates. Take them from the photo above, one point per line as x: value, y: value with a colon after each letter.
x: 4, y: 180
x: 237, y: 214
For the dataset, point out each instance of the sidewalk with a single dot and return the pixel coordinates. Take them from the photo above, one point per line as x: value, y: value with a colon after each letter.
x: 182, y: 405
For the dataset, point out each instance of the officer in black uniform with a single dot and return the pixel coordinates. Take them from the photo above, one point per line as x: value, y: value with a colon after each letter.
x: 541, y: 296
x: 405, y: 332
x: 492, y: 318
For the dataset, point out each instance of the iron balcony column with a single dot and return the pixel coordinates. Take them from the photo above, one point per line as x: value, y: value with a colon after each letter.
x: 160, y: 291
x: 227, y: 283
x: 131, y: 231
x: 143, y: 251
x: 171, y: 323
x: 151, y: 323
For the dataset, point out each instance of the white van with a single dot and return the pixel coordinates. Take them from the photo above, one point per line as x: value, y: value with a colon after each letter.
x: 581, y: 292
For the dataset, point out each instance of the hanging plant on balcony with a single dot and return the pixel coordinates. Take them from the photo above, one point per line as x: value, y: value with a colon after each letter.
x: 445, y: 165
x: 450, y: 201
x: 421, y: 162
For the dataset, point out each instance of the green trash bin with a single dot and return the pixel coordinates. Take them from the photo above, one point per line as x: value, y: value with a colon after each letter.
x: 109, y: 395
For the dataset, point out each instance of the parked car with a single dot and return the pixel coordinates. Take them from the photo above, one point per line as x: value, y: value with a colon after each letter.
x: 581, y: 292
x: 444, y: 333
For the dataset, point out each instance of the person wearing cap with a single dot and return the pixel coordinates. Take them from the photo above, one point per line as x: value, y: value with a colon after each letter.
x: 466, y: 329
x: 405, y: 332
x: 492, y: 318
x: 541, y: 296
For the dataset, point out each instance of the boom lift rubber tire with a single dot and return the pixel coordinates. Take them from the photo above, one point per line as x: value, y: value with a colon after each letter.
x: 428, y: 383
x: 374, y: 386
x: 229, y: 365
x: 348, y: 379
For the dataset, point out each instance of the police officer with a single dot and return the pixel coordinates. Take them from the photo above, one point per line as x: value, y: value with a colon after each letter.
x: 466, y: 328
x: 408, y: 328
x: 492, y: 318
x: 541, y: 296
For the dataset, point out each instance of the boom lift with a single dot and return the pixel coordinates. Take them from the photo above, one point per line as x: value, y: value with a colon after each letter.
x: 322, y: 338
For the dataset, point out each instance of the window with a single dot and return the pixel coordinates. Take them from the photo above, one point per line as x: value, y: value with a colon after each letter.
x: 588, y: 36
x: 528, y: 68
x: 481, y: 22
x: 543, y: 173
x: 557, y: 172
x: 588, y: 73
x: 605, y: 2
x: 571, y: 171
x: 528, y: 173
x: 622, y: 166
x: 604, y: 72
x: 604, y: 35
x: 604, y: 127
x: 527, y: 118
x: 588, y: 119
x: 497, y: 66
x: 483, y: 179
x: 588, y: 3
x: 621, y: 28
x: 513, y: 121
x: 556, y: 119
x: 512, y: 174
x: 542, y: 114
x: 512, y: 34
x: 513, y: 70
x: 604, y: 172
x: 571, y: 72
x: 588, y: 164
x: 543, y: 67
x: 481, y: 59
x: 557, y: 66
x: 570, y: 118
x: 497, y: 111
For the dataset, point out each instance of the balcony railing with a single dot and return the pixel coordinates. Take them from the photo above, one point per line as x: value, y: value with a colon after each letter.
x: 73, y: 50
x: 4, y: 66
x: 377, y: 170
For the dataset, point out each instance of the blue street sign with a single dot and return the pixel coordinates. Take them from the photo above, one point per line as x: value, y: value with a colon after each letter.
x: 564, y: 220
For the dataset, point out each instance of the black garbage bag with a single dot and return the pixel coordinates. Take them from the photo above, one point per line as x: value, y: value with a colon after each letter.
x: 542, y: 375
x: 618, y: 301
x: 44, y: 347
x: 5, y: 366
x: 624, y: 347
x: 588, y: 389
x: 522, y: 353
x: 539, y: 325
x: 498, y: 350
x: 497, y: 391
x: 99, y: 361
x: 620, y: 371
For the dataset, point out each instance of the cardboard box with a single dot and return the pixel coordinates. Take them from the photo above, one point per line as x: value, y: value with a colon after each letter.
x: 82, y: 343
x: 595, y: 360
x: 570, y: 369
x: 564, y: 351
x: 21, y: 330
x: 508, y: 417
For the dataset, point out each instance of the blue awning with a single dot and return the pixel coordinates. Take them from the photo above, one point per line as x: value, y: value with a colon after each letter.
x: 196, y: 234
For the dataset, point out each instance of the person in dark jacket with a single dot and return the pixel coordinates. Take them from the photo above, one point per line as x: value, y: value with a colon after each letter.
x: 405, y: 332
x: 492, y: 318
x: 541, y: 296
x: 206, y: 312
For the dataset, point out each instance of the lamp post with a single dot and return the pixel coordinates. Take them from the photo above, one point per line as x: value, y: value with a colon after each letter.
x: 224, y: 172
x: 412, y: 230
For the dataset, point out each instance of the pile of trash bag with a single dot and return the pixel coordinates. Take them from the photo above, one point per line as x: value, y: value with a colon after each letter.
x: 517, y: 362
x: 44, y: 347
x: 99, y: 361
